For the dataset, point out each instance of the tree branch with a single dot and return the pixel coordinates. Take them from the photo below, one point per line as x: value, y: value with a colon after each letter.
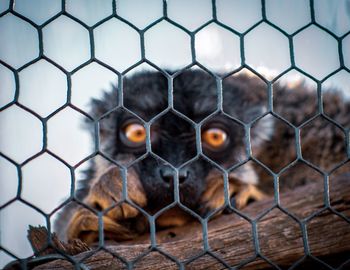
x: 230, y: 237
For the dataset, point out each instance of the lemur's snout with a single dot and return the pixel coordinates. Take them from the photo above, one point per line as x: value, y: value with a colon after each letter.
x: 167, y: 175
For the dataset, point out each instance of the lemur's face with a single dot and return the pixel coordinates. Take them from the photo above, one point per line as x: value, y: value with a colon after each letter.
x: 172, y: 137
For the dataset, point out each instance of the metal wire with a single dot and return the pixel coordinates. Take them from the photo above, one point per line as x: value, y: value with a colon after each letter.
x: 302, y: 223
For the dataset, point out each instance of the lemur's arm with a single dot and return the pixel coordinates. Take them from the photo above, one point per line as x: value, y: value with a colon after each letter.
x: 105, y: 194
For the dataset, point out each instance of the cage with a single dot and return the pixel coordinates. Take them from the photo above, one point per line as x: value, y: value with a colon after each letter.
x: 56, y: 56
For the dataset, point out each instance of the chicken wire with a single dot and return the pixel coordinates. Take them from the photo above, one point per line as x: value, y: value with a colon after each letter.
x: 154, y: 246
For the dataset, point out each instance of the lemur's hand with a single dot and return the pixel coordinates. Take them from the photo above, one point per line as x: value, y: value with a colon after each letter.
x: 105, y: 193
x: 240, y: 193
x: 247, y: 192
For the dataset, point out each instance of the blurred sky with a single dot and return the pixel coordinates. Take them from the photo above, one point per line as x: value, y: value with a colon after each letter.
x: 43, y: 87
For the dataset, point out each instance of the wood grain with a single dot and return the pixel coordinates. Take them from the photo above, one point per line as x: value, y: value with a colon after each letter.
x: 230, y: 237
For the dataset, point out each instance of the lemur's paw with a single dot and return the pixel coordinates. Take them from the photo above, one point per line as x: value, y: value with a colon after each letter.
x: 84, y: 225
x: 106, y: 192
x: 246, y: 193
x: 106, y: 195
x: 240, y: 195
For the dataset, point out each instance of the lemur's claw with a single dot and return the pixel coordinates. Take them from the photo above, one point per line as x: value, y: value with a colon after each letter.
x: 243, y: 196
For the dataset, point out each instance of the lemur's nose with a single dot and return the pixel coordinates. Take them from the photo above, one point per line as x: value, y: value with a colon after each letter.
x: 168, y: 174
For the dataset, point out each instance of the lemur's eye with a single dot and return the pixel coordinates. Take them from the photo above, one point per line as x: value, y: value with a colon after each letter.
x: 135, y: 133
x: 214, y: 137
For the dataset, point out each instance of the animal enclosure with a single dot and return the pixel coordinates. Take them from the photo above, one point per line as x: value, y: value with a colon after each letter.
x: 55, y: 57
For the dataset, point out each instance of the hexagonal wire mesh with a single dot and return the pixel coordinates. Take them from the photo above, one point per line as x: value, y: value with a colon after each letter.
x: 142, y: 40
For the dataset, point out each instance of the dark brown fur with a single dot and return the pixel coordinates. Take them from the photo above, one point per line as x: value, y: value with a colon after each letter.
x: 273, y: 143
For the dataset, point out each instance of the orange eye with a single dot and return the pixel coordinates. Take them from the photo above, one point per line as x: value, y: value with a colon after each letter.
x: 135, y: 133
x: 214, y: 137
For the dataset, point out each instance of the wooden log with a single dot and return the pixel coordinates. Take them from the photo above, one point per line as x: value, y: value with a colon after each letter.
x: 38, y: 237
x: 230, y: 237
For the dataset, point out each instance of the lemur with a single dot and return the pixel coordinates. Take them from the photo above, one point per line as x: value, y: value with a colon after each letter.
x: 236, y: 129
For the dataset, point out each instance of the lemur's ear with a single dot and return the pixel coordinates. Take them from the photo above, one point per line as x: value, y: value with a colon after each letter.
x: 109, y: 100
x: 99, y: 109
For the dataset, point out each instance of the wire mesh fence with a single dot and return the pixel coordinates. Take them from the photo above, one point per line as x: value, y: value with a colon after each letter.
x: 219, y: 78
